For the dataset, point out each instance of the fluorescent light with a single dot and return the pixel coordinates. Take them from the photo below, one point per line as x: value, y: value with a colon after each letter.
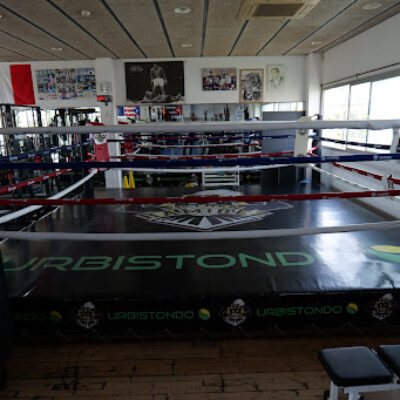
x: 86, y: 13
x: 182, y: 10
x: 372, y: 6
x: 187, y: 45
x: 56, y: 48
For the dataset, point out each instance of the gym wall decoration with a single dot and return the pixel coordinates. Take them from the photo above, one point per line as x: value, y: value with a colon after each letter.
x: 66, y: 83
x: 219, y: 78
x: 150, y: 82
x: 276, y: 78
x: 251, y: 85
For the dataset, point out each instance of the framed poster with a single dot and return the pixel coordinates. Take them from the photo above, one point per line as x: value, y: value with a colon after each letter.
x: 276, y: 77
x: 86, y: 81
x: 155, y: 82
x: 46, y: 84
x: 219, y: 78
x: 251, y: 85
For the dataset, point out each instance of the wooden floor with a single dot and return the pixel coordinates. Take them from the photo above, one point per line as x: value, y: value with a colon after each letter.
x: 248, y: 369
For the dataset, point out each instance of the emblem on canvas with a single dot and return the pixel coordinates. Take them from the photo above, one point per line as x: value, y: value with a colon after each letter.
x: 383, y: 307
x: 236, y: 313
x: 87, y: 316
x: 210, y: 216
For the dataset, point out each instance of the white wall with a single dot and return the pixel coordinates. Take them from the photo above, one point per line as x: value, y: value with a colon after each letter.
x: 377, y: 47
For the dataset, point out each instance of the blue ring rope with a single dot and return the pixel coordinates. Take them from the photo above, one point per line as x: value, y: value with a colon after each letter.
x: 201, y: 163
x: 43, y: 152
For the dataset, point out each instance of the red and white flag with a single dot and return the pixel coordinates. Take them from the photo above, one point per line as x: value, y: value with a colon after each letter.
x: 16, y: 85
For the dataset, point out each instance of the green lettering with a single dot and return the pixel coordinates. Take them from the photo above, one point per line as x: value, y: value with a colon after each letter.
x: 180, y: 258
x: 244, y: 257
x: 27, y: 265
x: 95, y: 263
x: 58, y: 263
x: 118, y: 263
x: 145, y: 263
x: 231, y: 261
x: 282, y: 257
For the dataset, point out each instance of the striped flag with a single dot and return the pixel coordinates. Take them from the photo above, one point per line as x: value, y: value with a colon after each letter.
x: 131, y: 111
x: 16, y: 85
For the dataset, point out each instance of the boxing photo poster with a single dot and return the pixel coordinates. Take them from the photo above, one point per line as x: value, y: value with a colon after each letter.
x: 155, y: 82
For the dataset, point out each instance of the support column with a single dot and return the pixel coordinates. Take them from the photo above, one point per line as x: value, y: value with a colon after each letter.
x: 105, y: 73
x: 313, y: 83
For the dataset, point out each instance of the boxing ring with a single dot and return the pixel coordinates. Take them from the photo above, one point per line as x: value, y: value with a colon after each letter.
x: 276, y: 259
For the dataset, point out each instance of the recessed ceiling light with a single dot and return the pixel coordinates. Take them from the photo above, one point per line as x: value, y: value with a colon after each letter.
x: 56, y: 48
x: 316, y: 42
x: 182, y: 10
x: 1, y: 16
x: 86, y: 13
x: 372, y: 6
x: 186, y: 45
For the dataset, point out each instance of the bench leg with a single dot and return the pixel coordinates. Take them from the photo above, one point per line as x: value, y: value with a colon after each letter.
x: 334, y: 392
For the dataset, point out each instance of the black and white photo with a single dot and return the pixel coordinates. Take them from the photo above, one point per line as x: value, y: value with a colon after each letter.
x: 155, y: 82
x: 251, y: 85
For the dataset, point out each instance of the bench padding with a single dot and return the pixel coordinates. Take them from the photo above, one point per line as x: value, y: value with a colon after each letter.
x: 354, y: 366
x: 391, y: 355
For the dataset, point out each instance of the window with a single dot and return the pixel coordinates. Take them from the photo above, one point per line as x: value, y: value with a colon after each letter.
x: 370, y: 100
x: 336, y: 105
x: 358, y: 110
x: 385, y: 104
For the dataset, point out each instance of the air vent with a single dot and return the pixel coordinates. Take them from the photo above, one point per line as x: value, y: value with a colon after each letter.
x: 275, y: 9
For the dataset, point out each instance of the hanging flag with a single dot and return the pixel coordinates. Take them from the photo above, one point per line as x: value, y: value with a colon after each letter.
x: 16, y: 85
x: 132, y: 111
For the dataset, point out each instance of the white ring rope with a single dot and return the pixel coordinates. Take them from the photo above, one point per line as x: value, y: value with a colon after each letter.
x: 189, y: 236
x: 27, y: 210
x: 208, y: 127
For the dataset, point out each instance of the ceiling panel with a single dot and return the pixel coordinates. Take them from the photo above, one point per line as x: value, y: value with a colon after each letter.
x: 102, y: 25
x: 43, y: 14
x: 351, y: 24
x: 222, y: 27
x: 297, y: 30
x: 31, y: 52
x: 16, y: 26
x: 7, y: 54
x: 143, y: 24
x: 256, y: 34
x: 183, y: 28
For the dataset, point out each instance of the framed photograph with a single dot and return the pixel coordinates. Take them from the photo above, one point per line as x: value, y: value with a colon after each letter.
x: 219, y: 78
x: 155, y: 82
x: 251, y: 85
x: 276, y: 77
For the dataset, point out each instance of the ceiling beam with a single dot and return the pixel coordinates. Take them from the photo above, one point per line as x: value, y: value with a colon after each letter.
x: 164, y: 27
x: 284, y: 25
x: 238, y: 37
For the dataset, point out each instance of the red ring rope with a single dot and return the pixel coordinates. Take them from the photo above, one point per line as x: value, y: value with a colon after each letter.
x: 195, y: 146
x: 366, y: 173
x: 203, y: 199
x: 29, y: 182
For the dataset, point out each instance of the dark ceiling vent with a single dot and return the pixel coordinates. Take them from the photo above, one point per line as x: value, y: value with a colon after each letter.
x: 275, y: 9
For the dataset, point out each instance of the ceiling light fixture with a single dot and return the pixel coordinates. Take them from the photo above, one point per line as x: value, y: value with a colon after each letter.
x: 372, y: 6
x: 187, y: 45
x: 1, y: 16
x: 56, y: 48
x: 86, y: 13
x: 316, y: 42
x: 182, y: 10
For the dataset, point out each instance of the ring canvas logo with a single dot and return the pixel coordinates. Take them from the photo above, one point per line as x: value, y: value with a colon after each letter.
x: 383, y: 307
x: 88, y: 316
x: 389, y: 253
x: 210, y: 216
x: 236, y: 313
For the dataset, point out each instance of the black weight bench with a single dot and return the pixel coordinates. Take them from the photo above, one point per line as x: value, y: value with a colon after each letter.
x: 356, y: 370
